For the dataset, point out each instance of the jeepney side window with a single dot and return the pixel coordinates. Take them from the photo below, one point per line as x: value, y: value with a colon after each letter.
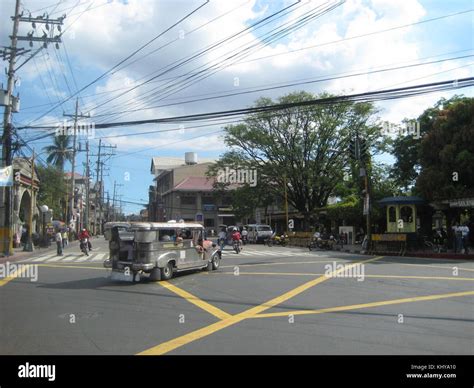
x: 197, y: 235
x: 166, y: 235
x: 185, y: 234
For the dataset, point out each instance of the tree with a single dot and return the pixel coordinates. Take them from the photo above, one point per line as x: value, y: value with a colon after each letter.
x: 447, y: 152
x: 407, y: 149
x: 304, y: 148
x: 52, y: 189
x: 59, y: 152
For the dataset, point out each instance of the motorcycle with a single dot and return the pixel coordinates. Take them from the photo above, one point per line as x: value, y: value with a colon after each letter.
x: 244, y: 240
x: 278, y: 240
x: 236, y: 246
x: 320, y: 243
x: 84, y: 246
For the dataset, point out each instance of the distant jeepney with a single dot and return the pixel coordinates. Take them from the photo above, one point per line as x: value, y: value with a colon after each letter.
x: 159, y: 249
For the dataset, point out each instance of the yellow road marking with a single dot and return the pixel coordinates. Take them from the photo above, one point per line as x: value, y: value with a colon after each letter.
x: 195, y: 300
x: 70, y: 266
x: 365, y: 305
x: 175, y: 343
x: 367, y: 276
x: 287, y: 263
x: 14, y: 275
x: 430, y: 266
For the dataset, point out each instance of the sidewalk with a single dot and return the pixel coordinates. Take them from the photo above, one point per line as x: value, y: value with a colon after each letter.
x: 19, y: 254
x: 357, y: 249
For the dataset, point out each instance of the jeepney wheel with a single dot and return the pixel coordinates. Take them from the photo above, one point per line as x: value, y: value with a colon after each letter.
x: 167, y: 272
x: 216, y: 261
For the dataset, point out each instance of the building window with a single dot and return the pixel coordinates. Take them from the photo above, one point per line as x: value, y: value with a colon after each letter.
x: 188, y: 200
x: 392, y: 217
x: 406, y: 214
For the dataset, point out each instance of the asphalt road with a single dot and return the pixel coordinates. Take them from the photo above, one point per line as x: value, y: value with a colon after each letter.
x: 263, y: 301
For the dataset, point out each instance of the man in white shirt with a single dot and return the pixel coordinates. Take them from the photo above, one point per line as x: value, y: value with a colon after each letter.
x: 464, y: 229
x: 59, y: 243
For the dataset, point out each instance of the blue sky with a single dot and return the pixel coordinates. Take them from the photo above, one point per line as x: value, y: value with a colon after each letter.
x: 101, y: 33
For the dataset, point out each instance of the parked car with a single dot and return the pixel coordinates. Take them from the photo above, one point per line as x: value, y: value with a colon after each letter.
x: 258, y: 232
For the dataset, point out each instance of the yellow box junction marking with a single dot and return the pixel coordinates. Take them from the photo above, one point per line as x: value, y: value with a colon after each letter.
x: 195, y: 300
x: 175, y: 343
x: 365, y: 305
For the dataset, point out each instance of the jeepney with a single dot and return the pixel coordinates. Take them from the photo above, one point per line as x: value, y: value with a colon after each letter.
x: 159, y: 249
x: 123, y: 228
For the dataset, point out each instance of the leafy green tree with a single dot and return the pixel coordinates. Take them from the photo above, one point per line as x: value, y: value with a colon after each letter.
x: 52, y: 189
x: 407, y: 149
x: 447, y: 152
x: 304, y: 148
x: 60, y: 151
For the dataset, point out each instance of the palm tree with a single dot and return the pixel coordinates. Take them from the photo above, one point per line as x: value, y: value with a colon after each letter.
x: 60, y: 151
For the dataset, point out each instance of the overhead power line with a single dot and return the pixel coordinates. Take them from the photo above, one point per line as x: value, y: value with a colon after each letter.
x: 380, y: 95
x: 124, y: 60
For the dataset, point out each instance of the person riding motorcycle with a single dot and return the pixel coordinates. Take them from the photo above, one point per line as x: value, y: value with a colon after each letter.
x: 85, y: 235
x: 236, y: 237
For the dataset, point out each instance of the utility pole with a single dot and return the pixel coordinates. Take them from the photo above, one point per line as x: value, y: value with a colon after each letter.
x: 11, y: 53
x: 96, y: 201
x: 359, y: 151
x: 7, y: 134
x: 86, y: 218
x: 29, y: 247
x: 99, y: 200
x: 108, y: 206
x: 113, y: 199
x: 76, y: 115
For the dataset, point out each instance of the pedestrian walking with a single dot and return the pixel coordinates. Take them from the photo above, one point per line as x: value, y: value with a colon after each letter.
x: 465, y: 237
x: 59, y: 243
x: 457, y: 232
x: 65, y: 237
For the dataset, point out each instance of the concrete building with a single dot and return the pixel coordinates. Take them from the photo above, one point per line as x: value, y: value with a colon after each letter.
x: 183, y: 191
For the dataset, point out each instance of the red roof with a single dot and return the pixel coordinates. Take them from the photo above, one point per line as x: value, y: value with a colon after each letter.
x: 195, y: 183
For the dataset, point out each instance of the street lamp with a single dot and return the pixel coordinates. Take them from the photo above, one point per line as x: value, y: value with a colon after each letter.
x: 44, y: 209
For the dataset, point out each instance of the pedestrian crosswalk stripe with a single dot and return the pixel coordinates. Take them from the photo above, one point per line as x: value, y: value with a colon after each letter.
x: 81, y: 259
x: 69, y: 258
x: 98, y: 257
x: 41, y: 258
x: 54, y: 258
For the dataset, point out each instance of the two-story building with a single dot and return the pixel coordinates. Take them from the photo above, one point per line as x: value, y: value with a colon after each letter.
x: 183, y: 191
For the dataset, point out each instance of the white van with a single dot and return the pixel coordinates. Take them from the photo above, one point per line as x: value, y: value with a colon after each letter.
x: 258, y: 232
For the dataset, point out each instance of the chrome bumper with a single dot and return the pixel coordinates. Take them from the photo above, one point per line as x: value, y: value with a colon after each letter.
x: 133, y: 266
